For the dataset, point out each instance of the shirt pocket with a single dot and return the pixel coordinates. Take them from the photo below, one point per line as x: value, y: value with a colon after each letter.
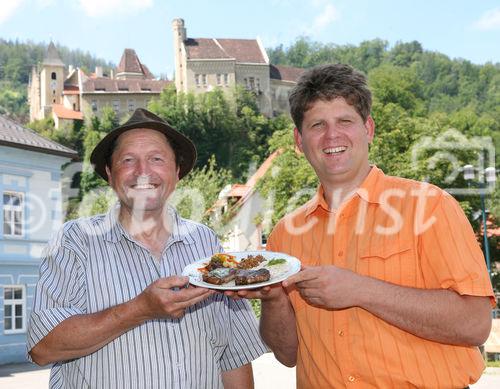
x: 395, y: 263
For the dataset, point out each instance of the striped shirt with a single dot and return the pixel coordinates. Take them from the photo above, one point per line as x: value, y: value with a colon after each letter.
x: 94, y: 264
x: 400, y: 231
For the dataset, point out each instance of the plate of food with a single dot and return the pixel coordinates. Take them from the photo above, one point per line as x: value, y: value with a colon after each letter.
x: 241, y: 270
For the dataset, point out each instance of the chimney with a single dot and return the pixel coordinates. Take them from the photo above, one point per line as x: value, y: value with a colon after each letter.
x: 98, y: 71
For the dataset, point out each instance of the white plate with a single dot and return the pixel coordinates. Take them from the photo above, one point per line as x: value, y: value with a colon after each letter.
x: 195, y: 276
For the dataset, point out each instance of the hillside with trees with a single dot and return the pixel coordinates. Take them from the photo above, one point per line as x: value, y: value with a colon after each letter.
x: 16, y: 61
x: 433, y: 115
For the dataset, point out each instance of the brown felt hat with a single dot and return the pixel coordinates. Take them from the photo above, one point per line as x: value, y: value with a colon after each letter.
x: 184, y: 149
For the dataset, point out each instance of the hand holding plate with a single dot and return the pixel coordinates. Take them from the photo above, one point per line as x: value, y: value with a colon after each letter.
x: 168, y: 297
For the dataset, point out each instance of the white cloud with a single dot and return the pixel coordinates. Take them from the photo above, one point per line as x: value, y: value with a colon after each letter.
x: 98, y: 8
x: 490, y: 20
x: 326, y: 16
x: 329, y: 14
x: 45, y: 3
x: 8, y: 8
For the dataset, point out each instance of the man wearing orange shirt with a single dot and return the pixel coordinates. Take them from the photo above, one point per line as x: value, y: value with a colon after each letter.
x: 394, y: 291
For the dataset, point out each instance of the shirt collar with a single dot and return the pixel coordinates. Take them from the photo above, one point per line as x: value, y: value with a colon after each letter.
x: 181, y: 231
x: 369, y: 191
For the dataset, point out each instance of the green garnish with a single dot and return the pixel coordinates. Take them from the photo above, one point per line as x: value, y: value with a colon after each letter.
x: 276, y: 261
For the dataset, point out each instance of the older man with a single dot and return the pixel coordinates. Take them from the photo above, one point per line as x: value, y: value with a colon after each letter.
x: 111, y: 310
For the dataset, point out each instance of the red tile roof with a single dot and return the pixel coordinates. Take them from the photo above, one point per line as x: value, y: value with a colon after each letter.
x: 64, y: 113
x: 242, y: 50
x: 71, y: 90
x: 239, y: 190
x: 130, y: 63
x: 244, y: 191
x: 285, y: 73
x: 262, y: 170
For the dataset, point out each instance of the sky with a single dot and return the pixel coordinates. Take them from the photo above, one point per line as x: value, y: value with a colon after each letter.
x: 458, y: 28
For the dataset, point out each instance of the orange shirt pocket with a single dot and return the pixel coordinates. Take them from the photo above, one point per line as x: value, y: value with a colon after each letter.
x: 395, y: 263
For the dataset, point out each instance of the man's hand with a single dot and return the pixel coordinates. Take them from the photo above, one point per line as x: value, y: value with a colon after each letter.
x: 326, y: 286
x: 265, y: 293
x: 169, y: 297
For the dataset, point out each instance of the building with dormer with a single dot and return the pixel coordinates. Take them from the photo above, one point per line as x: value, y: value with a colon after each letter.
x: 71, y: 94
x: 202, y: 64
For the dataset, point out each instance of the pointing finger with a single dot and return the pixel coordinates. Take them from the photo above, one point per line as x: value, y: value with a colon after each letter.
x: 303, y: 275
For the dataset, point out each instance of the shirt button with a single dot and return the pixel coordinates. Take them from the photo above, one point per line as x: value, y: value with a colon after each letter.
x: 340, y: 253
x: 351, y: 378
x: 340, y: 332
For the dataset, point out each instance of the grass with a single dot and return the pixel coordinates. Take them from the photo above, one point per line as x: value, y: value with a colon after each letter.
x: 492, y: 363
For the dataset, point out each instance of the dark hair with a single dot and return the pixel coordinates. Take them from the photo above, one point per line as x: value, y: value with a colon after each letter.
x: 112, y: 148
x: 327, y: 82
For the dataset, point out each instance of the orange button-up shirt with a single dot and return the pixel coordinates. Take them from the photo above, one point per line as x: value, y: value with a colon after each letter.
x: 397, y: 230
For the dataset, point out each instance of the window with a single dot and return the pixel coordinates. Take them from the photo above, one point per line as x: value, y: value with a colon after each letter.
x: 226, y: 79
x: 219, y: 79
x: 204, y: 79
x: 257, y: 84
x: 53, y: 76
x: 94, y: 105
x: 131, y: 105
x: 14, y: 309
x: 197, y: 79
x: 13, y: 214
x: 116, y: 106
x: 263, y: 239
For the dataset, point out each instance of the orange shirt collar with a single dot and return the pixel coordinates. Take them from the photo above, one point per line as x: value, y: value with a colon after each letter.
x: 369, y: 191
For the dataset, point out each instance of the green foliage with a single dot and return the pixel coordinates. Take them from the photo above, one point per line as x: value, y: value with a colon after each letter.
x: 94, y: 130
x: 198, y: 191
x: 16, y: 62
x: 291, y: 181
x: 256, y: 307
x: 231, y: 128
x: 13, y: 100
x: 69, y: 136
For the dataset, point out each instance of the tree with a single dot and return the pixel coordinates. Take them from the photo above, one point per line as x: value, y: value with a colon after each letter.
x: 198, y: 191
x: 230, y: 127
x: 291, y: 181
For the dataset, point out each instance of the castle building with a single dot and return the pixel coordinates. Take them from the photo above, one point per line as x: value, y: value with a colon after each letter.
x: 202, y: 64
x: 71, y: 94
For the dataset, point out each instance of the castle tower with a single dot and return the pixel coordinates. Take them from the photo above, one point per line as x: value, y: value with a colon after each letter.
x: 179, y: 55
x: 51, y: 80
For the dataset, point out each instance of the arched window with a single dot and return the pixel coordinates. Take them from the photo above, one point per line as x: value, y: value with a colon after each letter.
x: 53, y: 76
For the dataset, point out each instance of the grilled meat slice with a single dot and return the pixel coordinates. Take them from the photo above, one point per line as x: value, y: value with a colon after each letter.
x: 219, y: 276
x: 247, y: 277
x: 250, y: 261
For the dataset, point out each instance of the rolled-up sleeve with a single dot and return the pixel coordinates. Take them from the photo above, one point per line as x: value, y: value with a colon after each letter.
x: 60, y: 292
x: 450, y: 252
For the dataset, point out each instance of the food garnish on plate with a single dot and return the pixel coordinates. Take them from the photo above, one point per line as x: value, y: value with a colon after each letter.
x: 224, y: 268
